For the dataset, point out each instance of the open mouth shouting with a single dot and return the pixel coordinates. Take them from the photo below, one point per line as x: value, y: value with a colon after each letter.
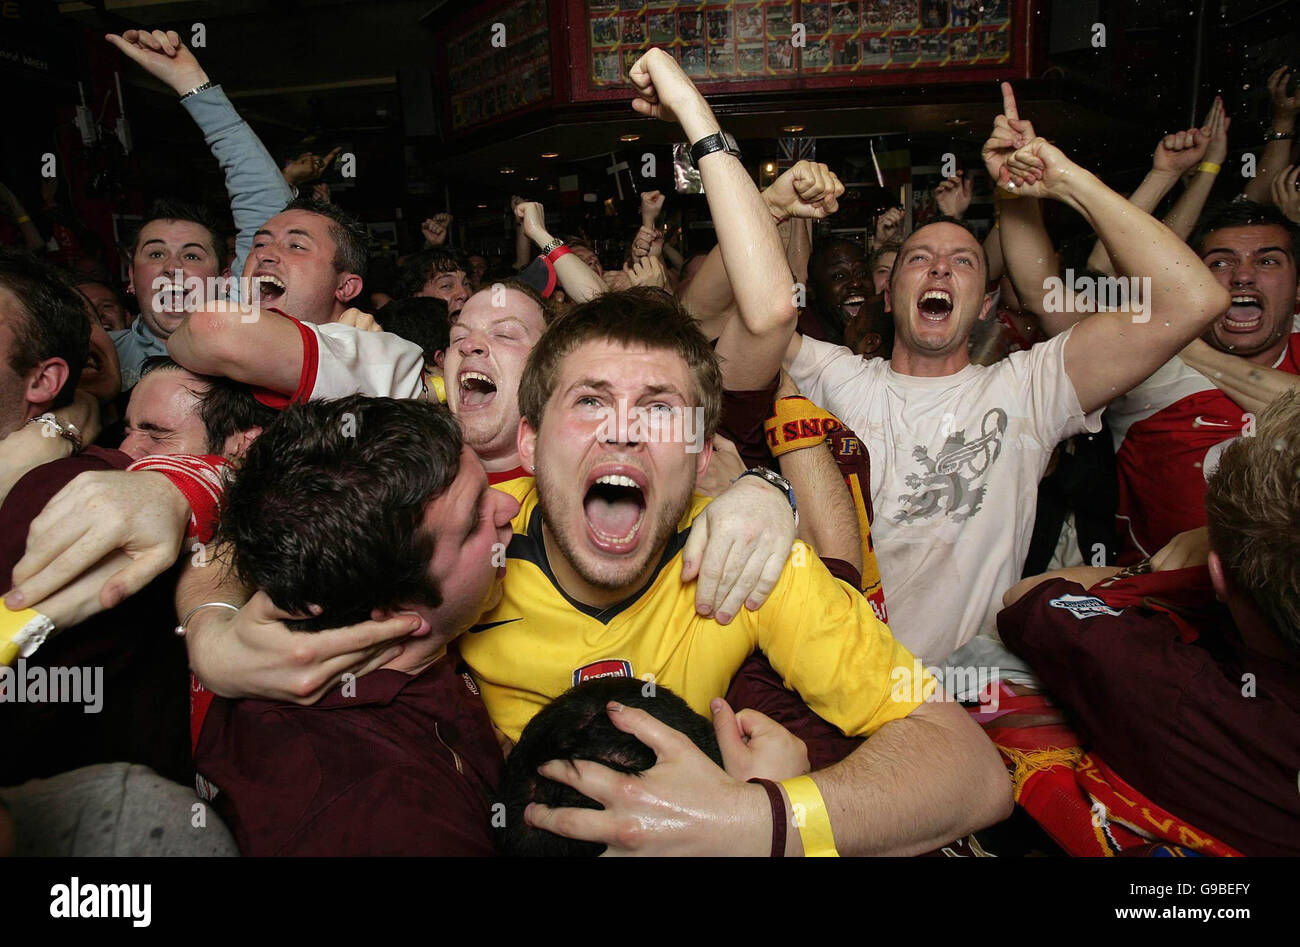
x: 1246, y: 314
x: 268, y: 287
x: 851, y: 305
x: 935, y: 305
x: 477, y: 390
x: 614, y: 506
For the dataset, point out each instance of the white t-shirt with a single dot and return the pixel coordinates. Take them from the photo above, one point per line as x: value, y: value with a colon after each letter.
x: 340, y: 360
x: 955, y: 465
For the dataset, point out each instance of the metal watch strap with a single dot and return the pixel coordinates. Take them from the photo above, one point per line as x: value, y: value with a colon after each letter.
x: 552, y: 247
x: 197, y: 89
x: 776, y: 480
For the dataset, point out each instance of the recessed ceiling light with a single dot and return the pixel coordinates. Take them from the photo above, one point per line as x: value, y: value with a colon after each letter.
x: 629, y: 137
x: 791, y: 128
x: 507, y: 170
x: 531, y: 177
x: 550, y: 154
x: 769, y: 167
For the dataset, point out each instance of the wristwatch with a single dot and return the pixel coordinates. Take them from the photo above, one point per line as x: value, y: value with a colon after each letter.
x: 718, y: 141
x: 776, y: 480
x: 552, y: 247
x: 1278, y: 136
x: 204, y: 87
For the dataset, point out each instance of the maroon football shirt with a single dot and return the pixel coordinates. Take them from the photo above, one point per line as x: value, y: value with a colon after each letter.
x: 406, y: 765
x: 1157, y: 680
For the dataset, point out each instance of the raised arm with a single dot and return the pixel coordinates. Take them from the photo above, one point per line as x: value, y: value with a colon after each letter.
x: 1177, y: 296
x: 1182, y: 217
x: 580, y: 282
x: 1281, y: 136
x: 1176, y: 154
x: 750, y: 248
x: 1030, y: 258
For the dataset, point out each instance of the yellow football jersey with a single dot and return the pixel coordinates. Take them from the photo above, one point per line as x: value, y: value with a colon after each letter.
x: 819, y: 633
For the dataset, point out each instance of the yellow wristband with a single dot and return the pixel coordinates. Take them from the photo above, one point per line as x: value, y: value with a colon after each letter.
x: 1209, y: 167
x: 21, y: 633
x: 810, y: 817
x: 24, y: 219
x: 797, y: 423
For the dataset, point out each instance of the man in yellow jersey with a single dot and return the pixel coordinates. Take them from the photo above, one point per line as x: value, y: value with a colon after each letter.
x: 619, y: 399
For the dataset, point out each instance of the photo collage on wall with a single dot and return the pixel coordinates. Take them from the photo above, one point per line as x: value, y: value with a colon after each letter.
x: 749, y: 40
x: 489, y: 80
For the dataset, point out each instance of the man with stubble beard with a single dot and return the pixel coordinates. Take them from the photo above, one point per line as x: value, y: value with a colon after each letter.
x: 593, y: 590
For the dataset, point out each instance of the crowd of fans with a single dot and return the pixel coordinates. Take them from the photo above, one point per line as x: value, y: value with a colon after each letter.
x: 795, y: 547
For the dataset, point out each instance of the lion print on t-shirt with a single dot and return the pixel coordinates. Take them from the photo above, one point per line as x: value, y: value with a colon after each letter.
x: 943, y: 486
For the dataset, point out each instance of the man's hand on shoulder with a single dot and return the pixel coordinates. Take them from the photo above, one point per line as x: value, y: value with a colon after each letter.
x: 137, y: 519
x: 738, y: 547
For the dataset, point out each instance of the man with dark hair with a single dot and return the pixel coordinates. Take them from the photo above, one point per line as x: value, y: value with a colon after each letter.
x: 439, y: 272
x: 839, y: 282
x: 173, y: 411
x: 44, y: 340
x: 177, y: 244
x: 1170, y: 430
x: 403, y: 760
x: 1182, y: 677
x: 307, y: 263
x: 576, y: 726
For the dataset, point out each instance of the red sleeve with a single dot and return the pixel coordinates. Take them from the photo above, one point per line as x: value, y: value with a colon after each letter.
x: 306, y: 377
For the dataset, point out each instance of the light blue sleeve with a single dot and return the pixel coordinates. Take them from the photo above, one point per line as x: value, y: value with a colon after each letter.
x: 257, y: 189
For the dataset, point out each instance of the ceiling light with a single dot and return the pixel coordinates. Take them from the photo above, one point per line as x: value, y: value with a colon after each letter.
x: 550, y: 154
x: 629, y: 137
x: 507, y: 170
x: 482, y: 206
x: 791, y: 128
x: 531, y: 177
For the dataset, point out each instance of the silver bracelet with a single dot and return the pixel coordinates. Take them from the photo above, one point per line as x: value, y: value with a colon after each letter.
x: 197, y: 89
x: 180, y: 629
x: 55, y: 428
